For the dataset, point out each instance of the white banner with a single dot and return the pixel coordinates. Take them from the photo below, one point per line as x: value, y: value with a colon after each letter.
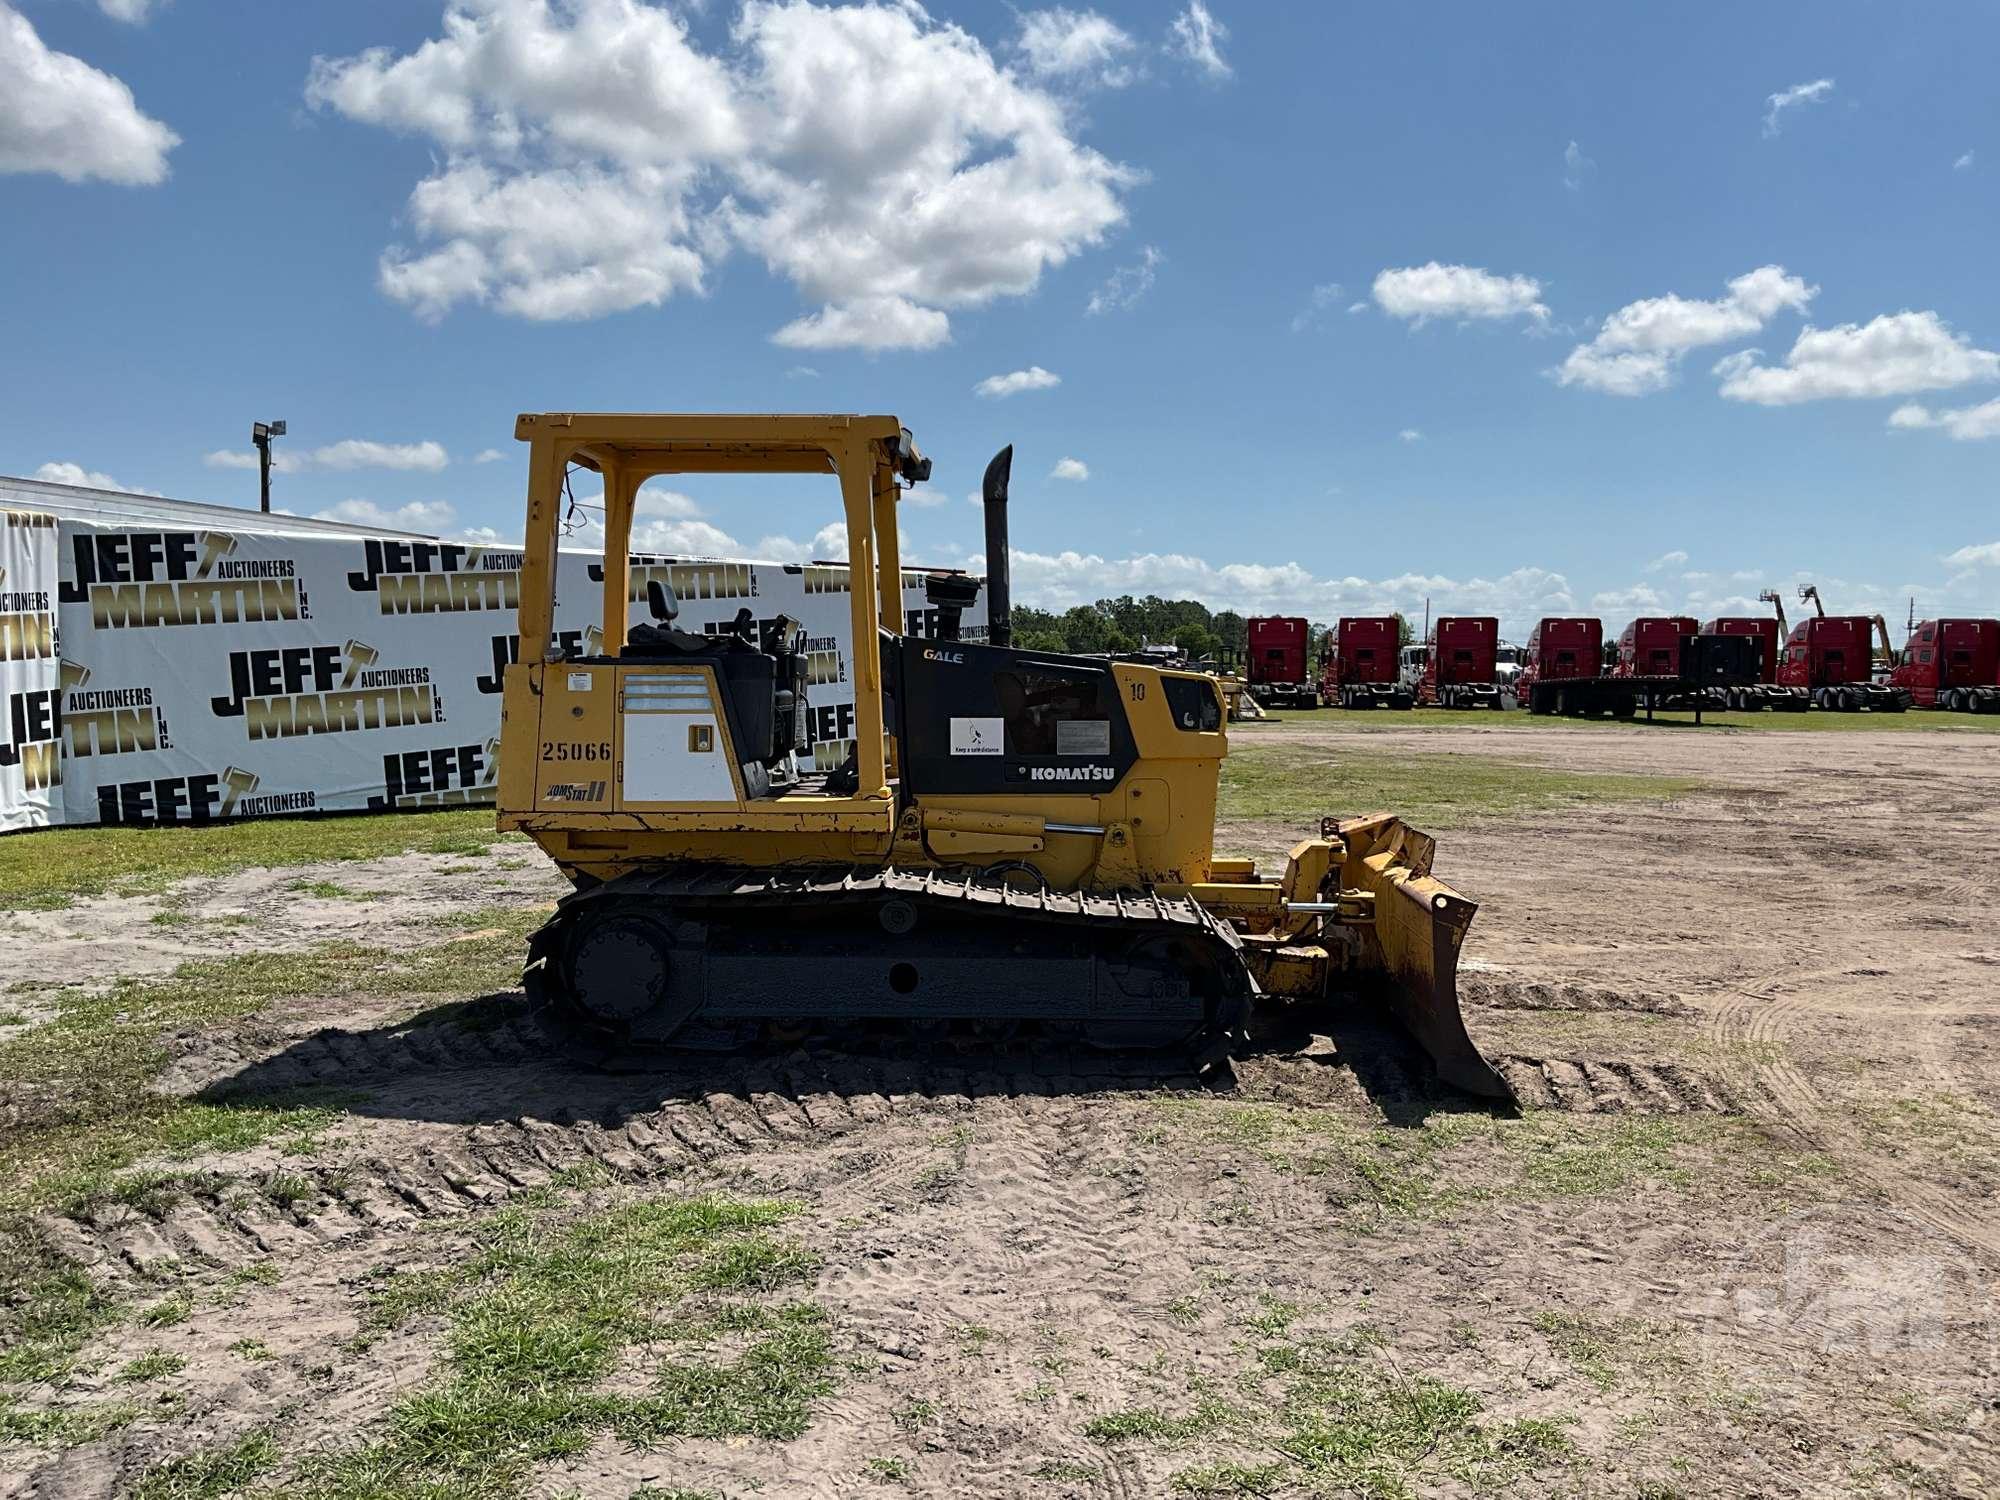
x: 30, y: 673
x: 209, y: 674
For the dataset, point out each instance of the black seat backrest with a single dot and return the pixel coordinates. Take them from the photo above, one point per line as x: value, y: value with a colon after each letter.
x: 661, y: 602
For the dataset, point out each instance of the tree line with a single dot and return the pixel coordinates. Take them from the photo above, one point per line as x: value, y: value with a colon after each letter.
x: 1126, y: 624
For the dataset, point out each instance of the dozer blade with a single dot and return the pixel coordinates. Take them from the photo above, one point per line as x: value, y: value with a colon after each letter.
x: 1420, y: 924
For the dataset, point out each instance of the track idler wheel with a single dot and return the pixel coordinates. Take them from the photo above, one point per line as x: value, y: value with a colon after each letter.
x: 619, y: 965
x: 1171, y: 969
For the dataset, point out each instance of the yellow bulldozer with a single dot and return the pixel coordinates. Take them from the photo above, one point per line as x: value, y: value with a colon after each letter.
x: 1018, y: 839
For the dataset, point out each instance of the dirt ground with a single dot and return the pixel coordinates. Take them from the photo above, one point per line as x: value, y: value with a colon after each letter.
x: 1742, y: 1240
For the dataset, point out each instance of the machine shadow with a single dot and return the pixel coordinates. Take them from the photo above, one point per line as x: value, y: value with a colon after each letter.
x: 488, y: 1061
x: 1386, y: 1065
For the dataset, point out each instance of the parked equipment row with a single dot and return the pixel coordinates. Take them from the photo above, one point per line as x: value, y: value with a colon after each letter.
x: 1745, y: 663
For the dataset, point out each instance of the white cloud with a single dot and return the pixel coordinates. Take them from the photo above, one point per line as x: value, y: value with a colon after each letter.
x: 1126, y: 285
x: 1034, y: 378
x: 131, y: 12
x: 1060, y: 580
x: 1639, y: 348
x: 801, y: 372
x: 882, y: 162
x: 488, y: 456
x: 871, y: 323
x: 1965, y: 424
x: 1198, y: 37
x: 418, y: 515
x: 829, y: 544
x: 1897, y: 354
x: 1667, y: 560
x: 663, y: 521
x: 348, y: 454
x: 1984, y: 554
x: 59, y: 114
x: 1577, y: 168
x: 1791, y: 98
x: 62, y: 472
x: 359, y: 453
x: 1074, y: 469
x: 1411, y: 435
x: 1076, y: 45
x: 1420, y: 293
x: 1963, y: 164
x: 572, y: 242
x: 1322, y: 299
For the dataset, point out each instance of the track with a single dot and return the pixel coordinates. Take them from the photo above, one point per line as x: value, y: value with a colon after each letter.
x: 1753, y: 1026
x: 642, y: 962
x: 705, y: 1113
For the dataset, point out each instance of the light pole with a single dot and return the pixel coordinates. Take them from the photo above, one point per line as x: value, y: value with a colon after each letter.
x: 261, y: 434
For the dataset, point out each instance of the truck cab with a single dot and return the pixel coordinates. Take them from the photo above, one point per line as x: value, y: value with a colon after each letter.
x: 1277, y: 669
x: 1461, y: 663
x: 1362, y: 667
x: 1952, y: 665
x: 1831, y: 658
x: 1651, y: 646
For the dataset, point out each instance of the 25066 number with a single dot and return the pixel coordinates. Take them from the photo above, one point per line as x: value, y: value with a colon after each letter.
x: 587, y: 750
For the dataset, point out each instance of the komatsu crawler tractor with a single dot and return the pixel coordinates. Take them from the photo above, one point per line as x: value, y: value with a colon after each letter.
x: 1018, y: 839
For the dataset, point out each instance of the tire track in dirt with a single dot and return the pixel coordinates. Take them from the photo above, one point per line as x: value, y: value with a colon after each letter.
x: 1754, y: 1024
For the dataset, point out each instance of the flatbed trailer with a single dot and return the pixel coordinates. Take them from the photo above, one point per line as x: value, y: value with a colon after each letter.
x: 1710, y: 667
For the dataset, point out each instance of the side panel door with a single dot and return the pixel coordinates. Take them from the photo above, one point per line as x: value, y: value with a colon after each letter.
x: 981, y: 720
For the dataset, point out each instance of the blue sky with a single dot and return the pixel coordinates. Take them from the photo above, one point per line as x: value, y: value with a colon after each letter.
x: 1345, y: 306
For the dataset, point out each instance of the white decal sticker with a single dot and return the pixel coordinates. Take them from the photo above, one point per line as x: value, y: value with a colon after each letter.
x: 579, y: 682
x: 1083, y: 737
x: 977, y: 736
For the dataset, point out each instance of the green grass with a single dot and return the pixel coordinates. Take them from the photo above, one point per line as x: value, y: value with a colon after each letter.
x: 80, y: 1081
x: 1282, y: 780
x: 52, y: 868
x: 1227, y: 1479
x: 49, y: 1309
x: 1604, y: 1350
x: 155, y: 1364
x: 82, y: 1075
x: 1153, y: 1425
x: 1452, y: 1159
x: 65, y: 1426
x: 1380, y: 720
x: 329, y: 890
x: 210, y: 1474
x: 169, y: 1312
x: 546, y: 1311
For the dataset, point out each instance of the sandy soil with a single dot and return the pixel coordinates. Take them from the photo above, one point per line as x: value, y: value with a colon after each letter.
x: 1797, y: 971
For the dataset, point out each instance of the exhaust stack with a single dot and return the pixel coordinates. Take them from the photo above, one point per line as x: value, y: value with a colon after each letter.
x: 999, y: 593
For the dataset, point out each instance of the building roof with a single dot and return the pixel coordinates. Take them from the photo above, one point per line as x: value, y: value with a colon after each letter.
x: 74, y: 502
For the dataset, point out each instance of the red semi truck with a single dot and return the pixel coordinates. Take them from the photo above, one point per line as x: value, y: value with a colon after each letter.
x: 1952, y: 665
x: 1278, y: 675
x: 1832, y: 658
x: 1563, y: 652
x: 1651, y: 646
x: 1459, y: 665
x: 1359, y: 667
